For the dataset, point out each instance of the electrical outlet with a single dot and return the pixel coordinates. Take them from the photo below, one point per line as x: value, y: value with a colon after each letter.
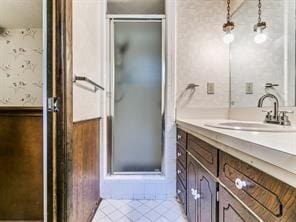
x: 249, y: 88
x: 211, y: 88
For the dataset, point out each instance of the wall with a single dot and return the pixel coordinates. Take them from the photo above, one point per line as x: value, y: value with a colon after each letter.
x: 21, y: 67
x: 87, y: 57
x: 21, y: 173
x: 88, y: 19
x: 270, y: 62
x: 202, y: 56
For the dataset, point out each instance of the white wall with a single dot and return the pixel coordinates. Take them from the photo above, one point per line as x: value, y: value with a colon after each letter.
x: 21, y: 67
x: 202, y: 55
x: 88, y: 18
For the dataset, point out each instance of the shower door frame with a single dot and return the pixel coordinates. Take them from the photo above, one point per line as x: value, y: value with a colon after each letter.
x: 112, y: 19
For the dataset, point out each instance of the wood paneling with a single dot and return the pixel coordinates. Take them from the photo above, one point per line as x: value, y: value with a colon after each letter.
x: 21, y: 171
x: 204, y: 152
x: 271, y: 199
x: 86, y: 169
x: 230, y: 210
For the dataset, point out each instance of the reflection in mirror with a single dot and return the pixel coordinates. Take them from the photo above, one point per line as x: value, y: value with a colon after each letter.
x: 21, y: 150
x: 264, y: 67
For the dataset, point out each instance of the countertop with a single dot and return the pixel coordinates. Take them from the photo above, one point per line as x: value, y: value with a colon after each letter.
x: 272, y: 152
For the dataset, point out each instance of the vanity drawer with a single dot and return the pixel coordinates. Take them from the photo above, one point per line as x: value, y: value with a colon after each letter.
x: 269, y: 198
x: 181, y: 138
x: 204, y: 152
x: 181, y: 155
x: 181, y: 173
x: 181, y: 193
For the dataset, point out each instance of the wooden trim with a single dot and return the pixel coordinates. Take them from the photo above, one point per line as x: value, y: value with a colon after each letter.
x: 85, y: 120
x: 64, y: 118
x: 21, y: 111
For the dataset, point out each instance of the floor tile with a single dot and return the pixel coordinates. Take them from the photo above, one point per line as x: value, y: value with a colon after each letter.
x: 152, y: 215
x: 139, y: 211
x: 134, y: 215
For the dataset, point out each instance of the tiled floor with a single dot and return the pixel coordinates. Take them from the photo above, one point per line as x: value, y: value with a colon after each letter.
x: 139, y: 211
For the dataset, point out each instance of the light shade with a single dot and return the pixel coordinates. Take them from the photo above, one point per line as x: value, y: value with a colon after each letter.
x: 228, y: 38
x: 260, y: 37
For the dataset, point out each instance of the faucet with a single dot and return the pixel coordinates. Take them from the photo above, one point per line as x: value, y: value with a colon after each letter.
x: 278, y: 117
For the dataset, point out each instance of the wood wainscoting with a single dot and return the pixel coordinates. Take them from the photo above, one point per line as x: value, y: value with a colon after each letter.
x: 86, y: 169
x: 21, y: 165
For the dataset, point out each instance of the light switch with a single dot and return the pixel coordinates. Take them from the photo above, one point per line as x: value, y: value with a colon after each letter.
x: 211, y: 88
x: 249, y: 88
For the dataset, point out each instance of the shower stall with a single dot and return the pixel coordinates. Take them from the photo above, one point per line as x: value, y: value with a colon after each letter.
x: 136, y: 97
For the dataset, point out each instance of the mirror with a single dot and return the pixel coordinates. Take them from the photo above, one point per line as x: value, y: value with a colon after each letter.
x: 269, y: 67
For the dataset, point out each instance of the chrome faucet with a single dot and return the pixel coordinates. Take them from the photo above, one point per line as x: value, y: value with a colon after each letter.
x: 278, y: 117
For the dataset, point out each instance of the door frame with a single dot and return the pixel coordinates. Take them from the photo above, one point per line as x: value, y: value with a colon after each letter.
x: 58, y: 125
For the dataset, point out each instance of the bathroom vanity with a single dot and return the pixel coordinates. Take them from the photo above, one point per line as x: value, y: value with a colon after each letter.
x: 227, y: 176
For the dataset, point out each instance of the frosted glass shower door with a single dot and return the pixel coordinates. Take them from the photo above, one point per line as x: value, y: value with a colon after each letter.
x: 137, y: 96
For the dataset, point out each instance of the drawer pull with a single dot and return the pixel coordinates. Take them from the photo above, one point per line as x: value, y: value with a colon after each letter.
x: 179, y: 172
x: 179, y: 137
x: 179, y: 154
x: 179, y: 191
x: 240, y: 184
x: 195, y: 194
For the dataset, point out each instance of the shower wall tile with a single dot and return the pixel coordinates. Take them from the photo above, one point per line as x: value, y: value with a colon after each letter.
x: 202, y: 55
x: 21, y: 67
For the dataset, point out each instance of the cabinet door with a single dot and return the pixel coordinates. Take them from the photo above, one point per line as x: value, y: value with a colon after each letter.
x: 207, y: 201
x: 230, y: 210
x: 192, y: 180
x: 201, y: 193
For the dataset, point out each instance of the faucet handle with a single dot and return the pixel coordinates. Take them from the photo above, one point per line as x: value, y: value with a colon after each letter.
x: 284, y: 119
x: 283, y: 113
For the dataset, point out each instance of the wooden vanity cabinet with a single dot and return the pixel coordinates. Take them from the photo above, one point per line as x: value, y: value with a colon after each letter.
x: 181, y: 172
x: 245, y: 193
x: 269, y: 198
x: 201, y: 193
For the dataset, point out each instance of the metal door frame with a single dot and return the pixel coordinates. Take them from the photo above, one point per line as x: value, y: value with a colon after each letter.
x: 112, y: 19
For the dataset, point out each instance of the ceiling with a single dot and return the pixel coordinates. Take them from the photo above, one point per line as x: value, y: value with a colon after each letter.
x: 20, y: 14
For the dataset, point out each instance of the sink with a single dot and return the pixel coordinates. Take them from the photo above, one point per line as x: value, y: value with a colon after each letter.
x: 252, y: 126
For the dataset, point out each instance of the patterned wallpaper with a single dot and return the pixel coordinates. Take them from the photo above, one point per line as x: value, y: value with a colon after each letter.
x: 202, y: 56
x: 21, y: 67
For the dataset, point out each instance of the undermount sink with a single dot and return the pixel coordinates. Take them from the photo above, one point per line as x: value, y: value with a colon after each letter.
x: 252, y: 126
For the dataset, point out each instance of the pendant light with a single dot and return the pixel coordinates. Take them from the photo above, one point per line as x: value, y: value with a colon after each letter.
x: 228, y: 27
x: 260, y: 36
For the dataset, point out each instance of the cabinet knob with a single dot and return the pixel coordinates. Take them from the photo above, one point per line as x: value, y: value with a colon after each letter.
x: 179, y: 191
x: 179, y: 171
x: 195, y: 194
x: 179, y: 137
x: 179, y: 154
x: 240, y: 184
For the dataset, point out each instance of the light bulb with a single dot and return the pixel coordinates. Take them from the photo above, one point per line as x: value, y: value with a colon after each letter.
x: 260, y: 37
x: 228, y: 38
